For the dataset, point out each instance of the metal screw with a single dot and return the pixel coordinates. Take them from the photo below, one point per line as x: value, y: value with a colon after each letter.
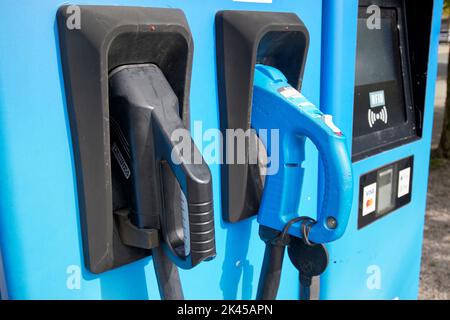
x: 331, y: 223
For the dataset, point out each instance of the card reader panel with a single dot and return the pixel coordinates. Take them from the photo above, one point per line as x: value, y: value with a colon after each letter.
x: 385, y: 190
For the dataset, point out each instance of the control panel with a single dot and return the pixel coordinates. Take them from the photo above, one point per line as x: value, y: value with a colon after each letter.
x: 384, y: 113
x: 384, y: 190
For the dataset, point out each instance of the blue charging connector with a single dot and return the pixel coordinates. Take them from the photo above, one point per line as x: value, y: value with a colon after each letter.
x: 279, y: 106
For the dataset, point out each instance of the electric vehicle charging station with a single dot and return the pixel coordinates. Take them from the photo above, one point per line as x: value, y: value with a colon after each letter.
x: 48, y: 233
x: 379, y: 255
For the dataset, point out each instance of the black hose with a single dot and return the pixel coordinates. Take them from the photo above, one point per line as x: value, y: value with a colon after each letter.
x: 269, y: 280
x: 167, y: 275
x: 305, y: 287
x: 305, y: 292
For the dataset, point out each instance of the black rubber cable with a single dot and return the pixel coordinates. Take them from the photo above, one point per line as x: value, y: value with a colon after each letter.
x: 305, y: 292
x: 269, y: 281
x: 167, y: 275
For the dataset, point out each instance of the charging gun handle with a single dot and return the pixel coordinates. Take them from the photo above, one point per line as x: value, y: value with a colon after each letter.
x: 336, y: 205
x: 276, y: 105
x: 194, y: 178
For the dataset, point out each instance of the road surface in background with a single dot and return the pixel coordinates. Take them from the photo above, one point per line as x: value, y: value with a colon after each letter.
x: 435, y: 275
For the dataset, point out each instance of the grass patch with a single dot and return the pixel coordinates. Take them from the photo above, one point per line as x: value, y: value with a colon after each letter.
x: 436, y: 163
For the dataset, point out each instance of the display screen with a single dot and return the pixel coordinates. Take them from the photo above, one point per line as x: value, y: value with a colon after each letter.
x: 379, y: 94
x: 385, y: 198
x: 377, y: 61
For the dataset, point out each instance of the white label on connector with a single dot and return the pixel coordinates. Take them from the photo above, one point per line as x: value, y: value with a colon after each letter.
x: 328, y: 119
x: 289, y: 93
x: 186, y: 228
x: 121, y: 161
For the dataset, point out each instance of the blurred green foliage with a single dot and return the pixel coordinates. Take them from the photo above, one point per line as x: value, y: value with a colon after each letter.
x: 437, y: 163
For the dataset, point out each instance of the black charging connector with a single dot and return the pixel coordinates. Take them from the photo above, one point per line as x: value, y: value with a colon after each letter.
x: 162, y: 189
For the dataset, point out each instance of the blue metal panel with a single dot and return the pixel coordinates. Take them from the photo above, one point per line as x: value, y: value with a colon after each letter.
x: 40, y: 230
x: 388, y: 251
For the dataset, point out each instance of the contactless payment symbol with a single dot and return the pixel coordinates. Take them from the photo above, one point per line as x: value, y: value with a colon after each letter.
x: 380, y: 116
x: 377, y: 100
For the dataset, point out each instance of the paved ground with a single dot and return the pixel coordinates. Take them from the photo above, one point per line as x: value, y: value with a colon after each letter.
x: 435, y: 275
